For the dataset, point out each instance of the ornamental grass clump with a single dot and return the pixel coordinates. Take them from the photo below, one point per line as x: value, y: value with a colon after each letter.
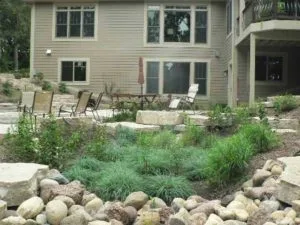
x: 285, y: 103
x: 260, y: 136
x: 168, y: 187
x: 117, y: 181
x: 228, y: 159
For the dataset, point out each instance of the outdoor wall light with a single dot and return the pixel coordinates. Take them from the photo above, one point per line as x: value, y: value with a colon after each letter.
x: 48, y: 52
x: 216, y: 53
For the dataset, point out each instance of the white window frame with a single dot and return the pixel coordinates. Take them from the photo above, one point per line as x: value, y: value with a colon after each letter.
x: 192, y: 74
x: 284, y: 55
x: 54, y: 38
x: 87, y: 60
x: 229, y: 3
x: 192, y: 43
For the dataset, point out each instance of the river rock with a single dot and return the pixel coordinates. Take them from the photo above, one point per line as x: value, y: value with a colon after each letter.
x: 75, y: 219
x: 206, y: 207
x: 3, y: 209
x: 136, y: 199
x: 260, y: 176
x: 152, y: 218
x: 213, y: 219
x: 93, y: 206
x: 156, y: 202
x: 177, y: 204
x: 117, y: 211
x: 234, y: 222
x: 31, y: 207
x: 180, y: 218
x: 295, y: 205
x: 190, y: 204
x: 57, y: 176
x: 87, y: 197
x: 67, y: 200
x: 198, y: 219
x: 19, y: 181
x: 41, y: 219
x: 56, y: 211
x: 73, y: 190
x: 13, y: 220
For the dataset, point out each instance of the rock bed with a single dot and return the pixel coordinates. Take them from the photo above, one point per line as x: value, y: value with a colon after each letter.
x: 61, y: 202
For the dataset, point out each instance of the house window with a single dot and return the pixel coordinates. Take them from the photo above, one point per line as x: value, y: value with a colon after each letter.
x: 74, y: 71
x: 269, y: 68
x: 152, y: 77
x: 177, y: 24
x: 201, y: 77
x: 229, y: 16
x: 175, y: 77
x: 75, y: 22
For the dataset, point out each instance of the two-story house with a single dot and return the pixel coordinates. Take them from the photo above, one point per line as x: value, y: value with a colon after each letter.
x: 236, y: 50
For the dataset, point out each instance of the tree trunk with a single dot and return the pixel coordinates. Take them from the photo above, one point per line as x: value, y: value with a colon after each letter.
x: 16, y: 57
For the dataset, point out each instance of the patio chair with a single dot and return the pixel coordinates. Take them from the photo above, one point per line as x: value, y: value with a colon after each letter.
x: 186, y: 100
x: 42, y: 103
x: 95, y: 107
x: 80, y: 107
x: 26, y: 101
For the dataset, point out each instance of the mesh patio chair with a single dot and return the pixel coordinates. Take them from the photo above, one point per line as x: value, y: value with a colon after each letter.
x: 80, y: 107
x: 95, y: 107
x: 186, y: 100
x: 42, y: 104
x: 26, y: 101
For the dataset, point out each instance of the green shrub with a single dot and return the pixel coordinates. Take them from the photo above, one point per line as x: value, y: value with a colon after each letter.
x: 260, y: 135
x: 168, y: 187
x: 193, y: 135
x: 242, y: 115
x: 220, y: 117
x: 164, y: 139
x: 46, y: 86
x: 62, y: 87
x: 122, y: 116
x: 38, y: 78
x: 7, y: 89
x: 285, y: 103
x: 57, y: 145
x: 228, y: 159
x: 21, y: 141
x: 117, y: 182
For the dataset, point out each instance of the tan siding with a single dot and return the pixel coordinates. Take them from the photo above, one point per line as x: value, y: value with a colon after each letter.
x: 114, y: 57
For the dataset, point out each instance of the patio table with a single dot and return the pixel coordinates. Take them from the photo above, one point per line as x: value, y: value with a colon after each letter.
x: 121, y: 98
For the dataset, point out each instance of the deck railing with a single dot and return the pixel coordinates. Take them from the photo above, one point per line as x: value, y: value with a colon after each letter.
x: 263, y: 10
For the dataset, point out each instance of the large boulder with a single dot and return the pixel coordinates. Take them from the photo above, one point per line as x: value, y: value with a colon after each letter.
x: 73, y: 190
x: 289, y: 186
x: 19, y: 181
x: 118, y: 212
x: 31, y: 208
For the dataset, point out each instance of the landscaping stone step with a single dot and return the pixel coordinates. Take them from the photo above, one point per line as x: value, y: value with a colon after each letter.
x: 148, y: 117
x: 277, y: 123
x: 111, y: 127
x: 199, y: 120
x: 289, y: 186
x: 269, y: 104
x: 8, y: 107
x: 284, y: 131
x: 9, y: 117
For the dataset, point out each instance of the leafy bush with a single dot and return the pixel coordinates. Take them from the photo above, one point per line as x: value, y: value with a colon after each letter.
x: 46, y: 86
x: 242, y: 115
x: 285, y: 103
x: 228, y: 159
x: 62, y: 87
x: 21, y: 142
x: 193, y: 135
x: 117, y: 181
x: 122, y: 116
x: 168, y: 187
x: 220, y: 117
x: 7, y: 88
x: 260, y: 135
x: 38, y: 78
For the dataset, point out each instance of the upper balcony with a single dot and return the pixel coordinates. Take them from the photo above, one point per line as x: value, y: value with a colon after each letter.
x: 264, y: 10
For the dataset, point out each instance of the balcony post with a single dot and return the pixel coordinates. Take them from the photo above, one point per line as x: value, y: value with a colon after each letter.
x: 252, y: 69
